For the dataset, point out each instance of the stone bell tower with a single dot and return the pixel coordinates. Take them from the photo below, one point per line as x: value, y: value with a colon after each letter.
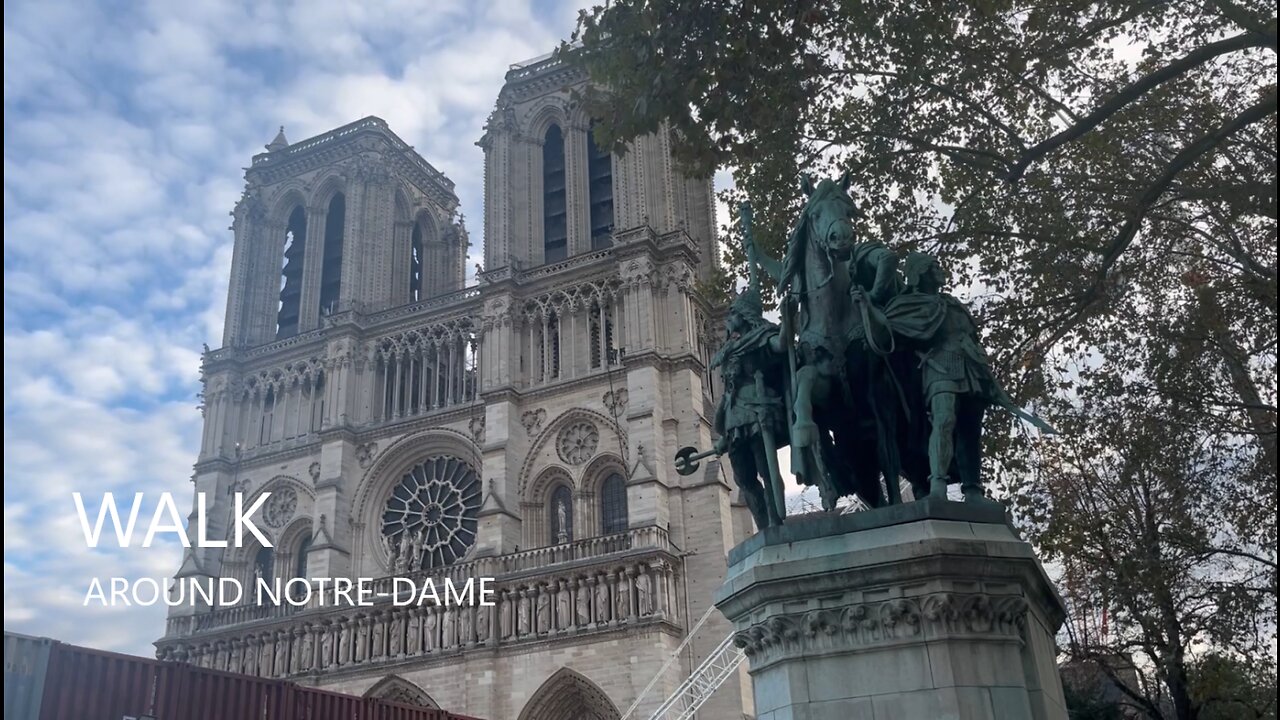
x: 329, y: 232
x: 520, y: 429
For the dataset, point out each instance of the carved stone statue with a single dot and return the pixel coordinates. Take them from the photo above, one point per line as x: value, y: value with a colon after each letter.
x: 449, y: 624
x: 308, y: 650
x: 622, y: 598
x: 431, y: 630
x: 562, y: 531
x: 564, y: 607
x: 266, y: 651
x: 344, y: 644
x: 601, y: 588
x: 522, y: 614
x: 483, y: 616
x: 379, y: 647
x: 281, y: 665
x: 236, y: 656
x: 404, y: 555
x: 362, y: 639
x: 544, y: 610
x: 644, y: 599
x: 506, y: 614
x: 414, y: 643
x: 416, y: 549
x: 326, y: 647
x: 582, y: 612
x: 397, y: 635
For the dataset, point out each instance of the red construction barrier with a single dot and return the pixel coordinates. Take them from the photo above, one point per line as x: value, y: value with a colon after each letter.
x: 83, y: 684
x: 86, y: 684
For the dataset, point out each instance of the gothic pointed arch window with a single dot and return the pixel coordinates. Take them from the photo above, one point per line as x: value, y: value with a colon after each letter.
x: 264, y: 565
x: 599, y: 191
x: 600, y: 334
x: 300, y: 564
x: 266, y: 423
x: 569, y: 694
x: 295, y: 239
x: 331, y: 264
x: 613, y: 505
x: 416, y: 264
x: 300, y: 559
x: 560, y: 512
x: 316, y: 393
x: 555, y: 218
x: 397, y: 689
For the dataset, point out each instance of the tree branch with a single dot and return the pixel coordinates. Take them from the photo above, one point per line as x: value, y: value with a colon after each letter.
x: 1130, y: 94
x: 1189, y: 155
x: 1245, y: 19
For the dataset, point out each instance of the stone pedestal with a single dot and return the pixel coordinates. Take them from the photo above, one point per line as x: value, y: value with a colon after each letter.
x: 927, y: 610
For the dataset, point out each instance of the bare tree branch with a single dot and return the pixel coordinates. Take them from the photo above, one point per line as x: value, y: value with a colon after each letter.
x: 1131, y: 93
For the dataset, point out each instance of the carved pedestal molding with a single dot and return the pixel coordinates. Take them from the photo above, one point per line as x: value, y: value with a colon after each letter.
x: 927, y: 610
x: 940, y: 616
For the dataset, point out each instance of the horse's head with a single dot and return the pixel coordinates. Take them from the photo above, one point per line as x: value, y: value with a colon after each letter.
x: 829, y: 213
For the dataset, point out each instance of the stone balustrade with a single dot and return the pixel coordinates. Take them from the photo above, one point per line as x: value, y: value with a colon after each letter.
x: 597, y: 585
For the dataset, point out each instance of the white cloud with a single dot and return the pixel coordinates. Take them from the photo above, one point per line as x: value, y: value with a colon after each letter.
x: 126, y: 128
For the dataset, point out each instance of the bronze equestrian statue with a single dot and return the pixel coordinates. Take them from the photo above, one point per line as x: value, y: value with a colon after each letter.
x: 872, y: 375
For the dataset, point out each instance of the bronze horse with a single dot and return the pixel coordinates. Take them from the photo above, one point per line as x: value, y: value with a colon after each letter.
x: 845, y: 416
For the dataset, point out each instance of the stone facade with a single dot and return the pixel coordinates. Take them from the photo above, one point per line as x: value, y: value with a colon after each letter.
x: 520, y: 428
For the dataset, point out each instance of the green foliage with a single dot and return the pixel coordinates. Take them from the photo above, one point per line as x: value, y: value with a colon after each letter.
x: 1100, y: 179
x: 1082, y: 705
x: 1230, y: 687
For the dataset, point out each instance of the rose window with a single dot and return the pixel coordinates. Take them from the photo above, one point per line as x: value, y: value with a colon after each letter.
x: 578, y: 443
x: 280, y: 506
x: 430, y: 518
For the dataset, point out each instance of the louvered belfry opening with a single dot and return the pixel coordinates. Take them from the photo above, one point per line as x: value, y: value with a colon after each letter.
x: 555, y: 219
x: 331, y: 268
x: 295, y: 243
x: 600, y: 191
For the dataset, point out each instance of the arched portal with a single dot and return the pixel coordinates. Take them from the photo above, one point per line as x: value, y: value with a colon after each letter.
x: 568, y: 695
x: 397, y: 689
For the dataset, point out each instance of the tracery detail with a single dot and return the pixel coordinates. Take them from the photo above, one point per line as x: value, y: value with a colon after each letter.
x: 578, y: 443
x: 430, y: 518
x: 279, y: 507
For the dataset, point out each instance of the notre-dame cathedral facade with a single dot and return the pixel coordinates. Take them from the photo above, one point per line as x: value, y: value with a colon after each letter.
x: 520, y: 428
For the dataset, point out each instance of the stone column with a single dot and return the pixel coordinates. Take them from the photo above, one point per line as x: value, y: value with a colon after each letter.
x: 931, y: 609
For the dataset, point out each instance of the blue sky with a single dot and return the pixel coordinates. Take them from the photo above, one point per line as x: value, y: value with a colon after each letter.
x: 126, y: 128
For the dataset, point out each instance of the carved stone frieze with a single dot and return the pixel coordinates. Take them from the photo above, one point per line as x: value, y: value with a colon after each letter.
x: 476, y: 428
x: 605, y: 597
x: 532, y: 420
x: 365, y: 454
x: 884, y: 623
x: 615, y: 401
